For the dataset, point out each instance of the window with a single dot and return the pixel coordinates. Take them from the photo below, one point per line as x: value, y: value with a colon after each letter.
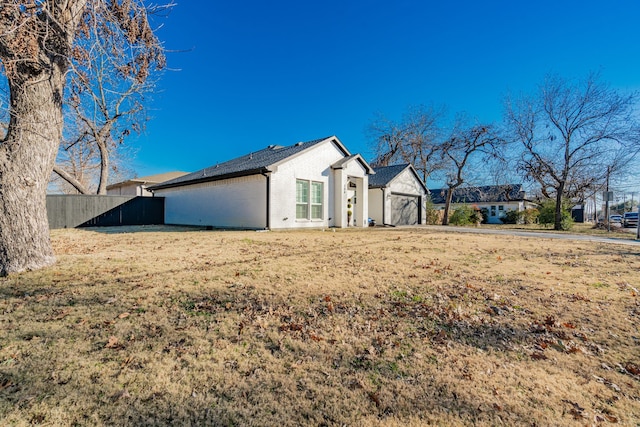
x: 309, y: 198
x: 316, y: 200
x: 302, y: 199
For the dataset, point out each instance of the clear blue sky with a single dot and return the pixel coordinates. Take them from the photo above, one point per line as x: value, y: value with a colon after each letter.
x: 253, y: 73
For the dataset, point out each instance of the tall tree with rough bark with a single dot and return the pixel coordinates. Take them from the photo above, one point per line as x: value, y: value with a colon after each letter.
x: 37, y: 42
x: 571, y: 134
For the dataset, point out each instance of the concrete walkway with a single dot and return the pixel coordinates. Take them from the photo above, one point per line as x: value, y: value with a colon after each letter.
x: 536, y: 234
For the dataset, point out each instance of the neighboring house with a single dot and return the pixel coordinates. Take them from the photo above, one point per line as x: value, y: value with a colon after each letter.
x: 397, y: 196
x: 307, y: 184
x: 138, y: 186
x: 496, y: 199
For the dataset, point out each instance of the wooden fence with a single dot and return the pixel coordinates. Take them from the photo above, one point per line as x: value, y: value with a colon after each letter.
x: 70, y: 211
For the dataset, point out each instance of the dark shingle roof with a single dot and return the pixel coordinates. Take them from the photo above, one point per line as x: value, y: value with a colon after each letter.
x: 385, y: 174
x: 484, y: 194
x: 151, y: 179
x: 250, y: 164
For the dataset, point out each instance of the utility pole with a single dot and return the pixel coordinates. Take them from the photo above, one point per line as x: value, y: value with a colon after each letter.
x: 607, y: 201
x: 638, y: 225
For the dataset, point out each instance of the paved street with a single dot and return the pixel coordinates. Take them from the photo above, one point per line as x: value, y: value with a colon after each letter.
x: 545, y: 235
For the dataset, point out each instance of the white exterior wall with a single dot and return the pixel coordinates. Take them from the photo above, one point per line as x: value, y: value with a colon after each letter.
x: 507, y: 206
x: 312, y: 165
x: 407, y: 183
x: 376, y: 200
x: 231, y: 203
x: 130, y: 189
x: 404, y: 183
x: 356, y: 173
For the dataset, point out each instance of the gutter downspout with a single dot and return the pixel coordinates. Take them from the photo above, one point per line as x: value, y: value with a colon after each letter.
x: 384, y: 208
x: 268, y: 219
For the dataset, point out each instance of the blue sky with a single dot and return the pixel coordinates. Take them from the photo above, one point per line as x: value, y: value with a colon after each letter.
x: 247, y: 74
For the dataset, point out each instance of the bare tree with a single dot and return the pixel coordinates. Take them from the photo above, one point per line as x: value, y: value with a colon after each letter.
x: 466, y: 144
x: 415, y: 139
x: 38, y: 38
x: 571, y: 133
x: 112, y: 73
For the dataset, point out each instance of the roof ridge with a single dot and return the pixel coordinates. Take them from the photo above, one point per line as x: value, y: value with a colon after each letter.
x: 247, y: 164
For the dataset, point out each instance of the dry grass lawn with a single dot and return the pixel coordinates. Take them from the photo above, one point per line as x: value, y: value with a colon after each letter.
x: 379, y: 327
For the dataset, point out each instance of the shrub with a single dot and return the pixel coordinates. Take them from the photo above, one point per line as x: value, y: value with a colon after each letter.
x: 511, y: 217
x: 485, y: 215
x: 547, y: 215
x: 432, y: 214
x: 530, y: 216
x: 476, y: 216
x: 462, y: 216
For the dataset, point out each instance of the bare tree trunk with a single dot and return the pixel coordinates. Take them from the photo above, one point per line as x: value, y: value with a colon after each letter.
x: 27, y: 155
x: 447, y: 206
x: 104, y: 167
x: 557, y: 225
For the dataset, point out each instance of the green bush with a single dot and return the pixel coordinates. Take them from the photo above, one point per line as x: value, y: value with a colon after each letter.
x: 530, y: 216
x: 511, y: 217
x: 547, y: 215
x: 485, y: 215
x: 476, y: 216
x: 462, y: 216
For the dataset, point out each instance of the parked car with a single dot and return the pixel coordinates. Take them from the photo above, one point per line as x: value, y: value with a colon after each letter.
x: 630, y: 219
x: 615, y: 218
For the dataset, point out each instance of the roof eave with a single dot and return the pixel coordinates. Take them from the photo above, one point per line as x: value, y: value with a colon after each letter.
x: 203, y: 179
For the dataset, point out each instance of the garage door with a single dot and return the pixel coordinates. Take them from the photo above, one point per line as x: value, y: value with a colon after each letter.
x: 405, y: 209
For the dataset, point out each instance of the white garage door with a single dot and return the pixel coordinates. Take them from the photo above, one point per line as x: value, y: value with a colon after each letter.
x: 405, y: 209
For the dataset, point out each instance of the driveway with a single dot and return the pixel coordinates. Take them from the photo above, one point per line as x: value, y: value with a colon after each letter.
x: 544, y: 235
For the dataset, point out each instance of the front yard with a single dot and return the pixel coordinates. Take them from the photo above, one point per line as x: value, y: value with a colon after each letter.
x: 388, y: 327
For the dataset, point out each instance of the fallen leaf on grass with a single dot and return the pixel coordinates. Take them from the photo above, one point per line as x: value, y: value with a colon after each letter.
x: 538, y: 355
x: 599, y: 418
x: 375, y: 398
x: 62, y: 314
x: 123, y: 316
x: 314, y: 337
x: 113, y: 342
x: 123, y: 394
x: 576, y: 410
x: 632, y: 368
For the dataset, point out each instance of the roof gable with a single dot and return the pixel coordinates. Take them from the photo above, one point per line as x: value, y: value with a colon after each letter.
x: 483, y: 194
x: 249, y: 164
x: 340, y: 164
x: 384, y: 175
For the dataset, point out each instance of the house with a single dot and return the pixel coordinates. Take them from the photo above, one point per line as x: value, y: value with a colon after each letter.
x: 308, y: 184
x: 138, y: 186
x: 496, y: 199
x: 397, y: 196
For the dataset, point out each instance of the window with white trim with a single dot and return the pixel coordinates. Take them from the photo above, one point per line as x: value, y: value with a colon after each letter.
x: 309, y: 199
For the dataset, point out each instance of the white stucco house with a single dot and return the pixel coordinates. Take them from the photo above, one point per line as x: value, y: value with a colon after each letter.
x: 138, y: 186
x: 308, y: 184
x: 496, y: 199
x: 397, y: 196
